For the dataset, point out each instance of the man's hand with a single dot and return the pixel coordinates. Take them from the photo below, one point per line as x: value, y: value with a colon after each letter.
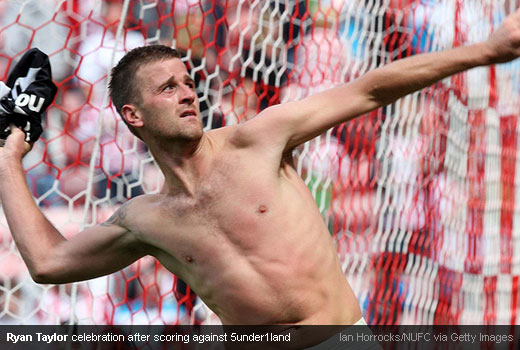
x: 28, y: 92
x: 14, y: 147
x: 504, y: 43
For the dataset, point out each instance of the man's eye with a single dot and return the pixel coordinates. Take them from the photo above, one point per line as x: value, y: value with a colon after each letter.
x: 168, y: 87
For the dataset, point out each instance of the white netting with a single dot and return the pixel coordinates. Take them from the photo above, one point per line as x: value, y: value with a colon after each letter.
x: 419, y: 196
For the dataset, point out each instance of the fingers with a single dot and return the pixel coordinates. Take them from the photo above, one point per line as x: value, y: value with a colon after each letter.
x: 28, y: 147
x: 15, y: 142
x: 15, y: 135
x: 18, y: 133
x: 15, y: 130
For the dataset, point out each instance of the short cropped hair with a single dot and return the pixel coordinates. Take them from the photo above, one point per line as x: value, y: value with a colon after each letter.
x: 123, y: 84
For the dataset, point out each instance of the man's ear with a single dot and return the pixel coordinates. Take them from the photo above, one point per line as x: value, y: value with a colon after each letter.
x: 132, y: 115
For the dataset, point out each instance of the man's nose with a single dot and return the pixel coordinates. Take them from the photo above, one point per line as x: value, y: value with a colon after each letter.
x: 188, y: 94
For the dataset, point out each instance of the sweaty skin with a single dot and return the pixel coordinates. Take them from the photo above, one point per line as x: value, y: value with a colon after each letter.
x: 234, y: 219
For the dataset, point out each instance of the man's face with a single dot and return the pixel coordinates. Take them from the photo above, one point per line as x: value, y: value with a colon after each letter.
x: 169, y: 104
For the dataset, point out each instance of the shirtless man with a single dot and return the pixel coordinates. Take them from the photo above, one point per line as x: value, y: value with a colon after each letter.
x: 234, y: 219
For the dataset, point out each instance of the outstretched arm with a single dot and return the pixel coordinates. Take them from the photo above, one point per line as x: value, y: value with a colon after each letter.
x: 49, y: 257
x: 296, y: 122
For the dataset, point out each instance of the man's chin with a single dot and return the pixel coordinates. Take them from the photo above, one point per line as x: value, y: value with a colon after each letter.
x: 191, y: 135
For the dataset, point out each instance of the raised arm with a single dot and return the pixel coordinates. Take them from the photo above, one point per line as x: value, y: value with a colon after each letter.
x: 50, y: 257
x: 296, y: 122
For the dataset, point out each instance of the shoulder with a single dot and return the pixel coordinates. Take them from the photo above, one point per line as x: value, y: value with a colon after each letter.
x: 268, y: 128
x: 221, y: 138
x: 132, y: 214
x: 220, y: 135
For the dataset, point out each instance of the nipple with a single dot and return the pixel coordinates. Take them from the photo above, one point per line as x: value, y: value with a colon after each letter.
x: 262, y: 209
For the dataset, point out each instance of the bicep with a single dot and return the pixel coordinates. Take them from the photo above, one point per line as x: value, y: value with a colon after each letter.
x: 293, y: 123
x: 95, y: 252
x: 316, y: 114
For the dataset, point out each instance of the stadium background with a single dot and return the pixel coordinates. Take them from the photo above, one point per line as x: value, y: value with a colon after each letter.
x: 419, y: 196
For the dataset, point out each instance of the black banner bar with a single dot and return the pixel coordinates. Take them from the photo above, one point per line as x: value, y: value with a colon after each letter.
x: 258, y: 337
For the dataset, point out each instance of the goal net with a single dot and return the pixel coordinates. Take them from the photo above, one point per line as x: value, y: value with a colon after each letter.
x: 419, y: 196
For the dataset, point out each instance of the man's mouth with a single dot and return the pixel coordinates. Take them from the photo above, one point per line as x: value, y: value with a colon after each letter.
x: 188, y: 113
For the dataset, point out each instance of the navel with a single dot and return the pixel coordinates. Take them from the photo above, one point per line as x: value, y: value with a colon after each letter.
x: 262, y: 209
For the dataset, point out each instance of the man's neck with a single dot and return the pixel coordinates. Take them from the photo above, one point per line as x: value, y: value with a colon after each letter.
x: 182, y: 166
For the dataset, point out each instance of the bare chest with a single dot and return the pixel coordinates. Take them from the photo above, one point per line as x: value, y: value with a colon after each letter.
x: 233, y: 208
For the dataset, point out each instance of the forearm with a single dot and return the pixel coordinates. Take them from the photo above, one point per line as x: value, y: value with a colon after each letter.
x: 402, y: 77
x: 33, y: 234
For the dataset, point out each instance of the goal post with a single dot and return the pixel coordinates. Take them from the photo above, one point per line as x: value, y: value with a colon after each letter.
x: 419, y: 196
